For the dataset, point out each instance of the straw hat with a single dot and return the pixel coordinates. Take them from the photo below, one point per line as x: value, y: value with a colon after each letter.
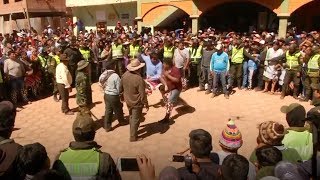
x: 82, y: 64
x: 134, y: 65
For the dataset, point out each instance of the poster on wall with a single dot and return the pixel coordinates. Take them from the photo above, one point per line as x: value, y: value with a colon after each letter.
x: 100, y: 16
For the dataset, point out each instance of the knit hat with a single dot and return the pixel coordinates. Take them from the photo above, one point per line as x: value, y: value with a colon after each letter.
x: 231, y: 137
x: 271, y: 133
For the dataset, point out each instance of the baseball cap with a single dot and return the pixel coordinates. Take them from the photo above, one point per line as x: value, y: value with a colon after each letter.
x: 315, y: 86
x: 83, y: 124
x: 219, y: 46
x: 291, y: 107
x: 7, y: 115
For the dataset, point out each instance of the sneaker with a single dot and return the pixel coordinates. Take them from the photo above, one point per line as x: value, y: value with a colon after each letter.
x: 226, y: 96
x: 207, y: 92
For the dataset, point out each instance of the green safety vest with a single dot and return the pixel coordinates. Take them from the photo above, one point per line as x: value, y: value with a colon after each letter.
x: 293, y: 60
x: 81, y: 163
x: 1, y: 79
x: 313, y: 66
x: 237, y: 55
x: 117, y: 51
x: 196, y: 56
x: 168, y: 52
x: 57, y: 58
x: 134, y: 51
x: 43, y: 61
x: 85, y: 54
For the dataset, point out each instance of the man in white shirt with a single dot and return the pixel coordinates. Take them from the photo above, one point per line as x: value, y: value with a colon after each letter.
x: 181, y: 61
x: 64, y: 81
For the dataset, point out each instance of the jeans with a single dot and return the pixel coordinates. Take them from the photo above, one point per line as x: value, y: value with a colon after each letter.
x: 17, y: 87
x: 245, y: 74
x: 205, y: 77
x: 219, y: 76
x: 250, y: 78
x: 173, y: 96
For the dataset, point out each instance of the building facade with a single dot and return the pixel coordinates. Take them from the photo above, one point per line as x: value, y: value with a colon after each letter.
x: 106, y: 12
x: 21, y: 14
x: 157, y: 12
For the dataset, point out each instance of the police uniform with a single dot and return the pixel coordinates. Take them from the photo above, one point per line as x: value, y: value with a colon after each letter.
x: 195, y: 65
x: 87, y: 55
x: 168, y: 53
x: 117, y: 57
x: 134, y: 51
x: 83, y: 87
x: 48, y: 66
x: 312, y: 75
x: 293, y: 67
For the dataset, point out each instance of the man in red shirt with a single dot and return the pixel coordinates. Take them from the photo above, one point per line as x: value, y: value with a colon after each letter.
x: 171, y: 78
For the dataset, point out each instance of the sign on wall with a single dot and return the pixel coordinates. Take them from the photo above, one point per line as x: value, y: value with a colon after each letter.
x: 100, y: 16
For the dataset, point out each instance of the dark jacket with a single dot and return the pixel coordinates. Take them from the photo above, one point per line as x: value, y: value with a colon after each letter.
x: 209, y: 171
x: 107, y: 167
x: 74, y: 56
x: 8, y: 159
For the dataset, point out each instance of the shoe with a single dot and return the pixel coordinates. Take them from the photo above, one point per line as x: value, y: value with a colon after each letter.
x: 226, y: 96
x: 207, y: 92
x: 69, y: 113
x: 304, y: 100
x: 201, y: 89
x: 135, y: 139
x: 55, y: 98
x: 282, y: 97
x: 213, y: 95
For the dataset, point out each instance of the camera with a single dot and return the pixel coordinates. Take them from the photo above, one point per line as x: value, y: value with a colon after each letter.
x: 186, y: 159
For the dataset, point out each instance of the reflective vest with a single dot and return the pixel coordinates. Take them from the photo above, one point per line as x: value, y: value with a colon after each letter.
x: 196, y: 56
x: 237, y: 55
x: 168, y: 52
x: 134, y: 51
x: 313, y: 66
x: 293, y: 60
x: 81, y: 164
x: 57, y: 58
x: 117, y: 51
x: 85, y: 53
x: 43, y: 62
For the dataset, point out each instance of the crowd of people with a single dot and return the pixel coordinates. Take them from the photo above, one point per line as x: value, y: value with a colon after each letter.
x: 130, y: 66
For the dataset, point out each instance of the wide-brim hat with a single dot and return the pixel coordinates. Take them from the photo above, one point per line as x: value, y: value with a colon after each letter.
x: 135, y: 65
x: 82, y: 64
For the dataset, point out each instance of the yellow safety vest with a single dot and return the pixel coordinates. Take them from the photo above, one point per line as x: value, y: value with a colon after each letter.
x: 196, y: 57
x: 237, y: 55
x: 313, y: 66
x: 134, y: 51
x: 168, y: 52
x: 117, y: 51
x: 85, y: 53
x: 57, y: 58
x: 43, y: 61
x: 293, y: 60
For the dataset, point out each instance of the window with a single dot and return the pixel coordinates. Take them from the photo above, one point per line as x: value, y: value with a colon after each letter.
x: 5, y: 1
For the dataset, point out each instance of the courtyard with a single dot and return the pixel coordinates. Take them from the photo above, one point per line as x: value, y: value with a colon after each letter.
x: 42, y: 121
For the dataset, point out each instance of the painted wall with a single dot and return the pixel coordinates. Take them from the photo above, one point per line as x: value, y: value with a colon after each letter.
x: 76, y: 3
x: 90, y: 15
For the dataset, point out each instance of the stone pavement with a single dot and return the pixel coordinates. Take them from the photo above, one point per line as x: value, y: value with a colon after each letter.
x: 42, y: 121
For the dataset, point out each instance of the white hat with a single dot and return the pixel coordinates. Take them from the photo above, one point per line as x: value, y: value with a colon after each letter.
x: 134, y: 65
x: 262, y: 42
x: 219, y: 46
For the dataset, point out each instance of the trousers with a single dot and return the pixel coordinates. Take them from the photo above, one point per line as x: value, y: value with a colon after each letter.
x: 135, y: 115
x: 235, y: 74
x: 205, y: 77
x: 219, y: 76
x: 64, y: 94
x: 112, y: 104
x: 291, y: 75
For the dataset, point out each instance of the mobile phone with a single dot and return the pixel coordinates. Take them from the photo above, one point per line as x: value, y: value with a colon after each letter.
x: 127, y: 164
x: 177, y: 158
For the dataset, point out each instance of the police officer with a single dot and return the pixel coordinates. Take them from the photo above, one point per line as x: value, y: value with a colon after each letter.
x: 195, y: 65
x: 87, y: 54
x: 168, y: 49
x: 313, y: 75
x: 292, y: 65
x: 117, y: 52
x: 74, y: 56
x: 48, y: 67
x: 237, y: 56
x: 83, y: 86
x: 134, y: 49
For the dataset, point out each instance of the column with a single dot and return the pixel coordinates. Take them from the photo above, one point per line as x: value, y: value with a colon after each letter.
x: 2, y: 24
x: 283, y: 24
x: 139, y: 23
x: 195, y: 23
x: 75, y: 29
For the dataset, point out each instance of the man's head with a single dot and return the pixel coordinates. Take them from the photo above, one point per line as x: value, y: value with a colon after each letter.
x: 219, y: 48
x: 7, y: 118
x: 235, y: 167
x: 154, y: 57
x: 110, y: 65
x: 268, y: 156
x: 12, y: 55
x: 295, y: 114
x: 167, y: 64
x: 181, y: 45
x: 83, y: 66
x: 83, y: 128
x: 33, y: 158
x: 64, y: 59
x: 271, y: 133
x: 200, y: 143
x: 293, y: 48
x: 316, y: 90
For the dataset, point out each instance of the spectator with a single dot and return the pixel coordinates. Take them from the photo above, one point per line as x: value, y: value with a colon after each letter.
x: 201, y: 167
x: 272, y: 133
x: 235, y: 167
x: 8, y: 147
x: 169, y: 173
x: 32, y: 158
x: 298, y: 136
x: 47, y: 175
x: 285, y: 170
x: 268, y: 157
x: 154, y: 70
x: 84, y: 154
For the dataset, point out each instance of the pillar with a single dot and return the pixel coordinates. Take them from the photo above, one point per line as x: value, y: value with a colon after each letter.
x: 139, y: 24
x: 283, y: 24
x: 2, y: 24
x: 75, y: 29
x: 195, y: 23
